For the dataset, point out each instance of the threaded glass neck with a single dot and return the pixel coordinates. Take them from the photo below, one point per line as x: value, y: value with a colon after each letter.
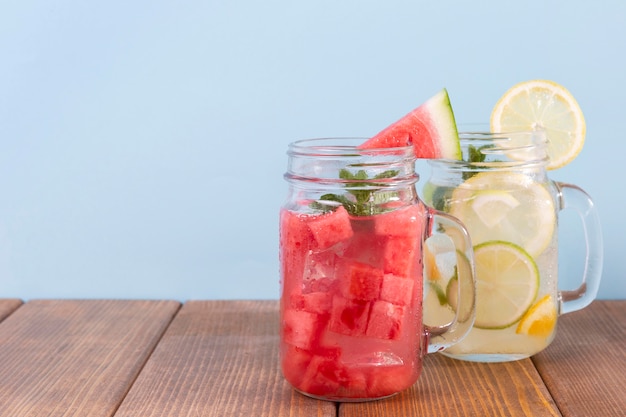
x: 487, y: 151
x: 340, y: 162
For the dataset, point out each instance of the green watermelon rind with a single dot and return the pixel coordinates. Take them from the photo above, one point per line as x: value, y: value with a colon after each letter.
x: 439, y: 109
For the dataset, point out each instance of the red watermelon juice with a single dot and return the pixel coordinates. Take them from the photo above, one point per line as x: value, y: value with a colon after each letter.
x: 351, y: 317
x: 351, y: 232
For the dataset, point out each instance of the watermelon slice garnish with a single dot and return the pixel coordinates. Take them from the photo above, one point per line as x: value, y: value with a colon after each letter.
x: 430, y: 129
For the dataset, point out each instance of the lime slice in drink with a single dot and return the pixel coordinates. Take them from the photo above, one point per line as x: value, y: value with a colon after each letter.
x: 506, y: 206
x: 507, y: 281
x: 540, y: 319
x: 546, y: 105
x: 464, y: 273
x: 439, y: 292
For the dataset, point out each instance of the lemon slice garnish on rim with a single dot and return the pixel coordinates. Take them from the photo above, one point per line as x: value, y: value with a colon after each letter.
x: 545, y: 105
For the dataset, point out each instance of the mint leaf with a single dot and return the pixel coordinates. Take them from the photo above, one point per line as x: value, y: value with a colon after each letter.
x: 356, y: 202
x: 442, y: 194
x: 475, y: 155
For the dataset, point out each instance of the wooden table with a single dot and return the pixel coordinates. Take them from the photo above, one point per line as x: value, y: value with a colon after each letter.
x: 138, y: 358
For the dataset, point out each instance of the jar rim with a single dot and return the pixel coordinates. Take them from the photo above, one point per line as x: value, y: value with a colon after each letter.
x: 492, y: 150
x: 348, y: 145
x: 324, y: 160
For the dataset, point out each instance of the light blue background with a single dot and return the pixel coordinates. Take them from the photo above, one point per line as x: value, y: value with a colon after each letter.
x: 142, y: 143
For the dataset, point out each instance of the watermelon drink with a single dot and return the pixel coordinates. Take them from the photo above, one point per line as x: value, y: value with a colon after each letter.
x: 351, y: 234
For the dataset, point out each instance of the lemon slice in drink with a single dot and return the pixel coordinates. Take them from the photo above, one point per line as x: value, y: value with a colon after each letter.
x: 439, y: 264
x: 540, y: 319
x: 507, y: 281
x: 492, y: 207
x: 506, y: 206
x: 546, y: 105
x: 439, y: 257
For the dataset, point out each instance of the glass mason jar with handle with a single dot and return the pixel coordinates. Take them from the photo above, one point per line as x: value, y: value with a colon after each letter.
x: 351, y: 234
x: 501, y: 192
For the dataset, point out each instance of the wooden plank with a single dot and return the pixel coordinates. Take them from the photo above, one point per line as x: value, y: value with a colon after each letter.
x: 585, y: 367
x: 450, y: 387
x: 76, y: 357
x: 219, y: 358
x: 8, y: 306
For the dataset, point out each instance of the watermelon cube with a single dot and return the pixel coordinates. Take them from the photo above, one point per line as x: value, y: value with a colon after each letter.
x: 323, y: 376
x: 314, y: 302
x: 349, y: 317
x: 294, y: 362
x: 407, y: 221
x: 331, y: 378
x: 400, y: 256
x: 360, y: 281
x: 295, y: 241
x: 301, y: 328
x: 385, y: 321
x: 388, y: 380
x: 294, y: 230
x: 397, y: 290
x: 331, y: 228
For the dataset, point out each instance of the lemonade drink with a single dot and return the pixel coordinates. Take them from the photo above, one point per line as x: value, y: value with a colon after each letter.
x: 502, y: 193
x: 509, y: 208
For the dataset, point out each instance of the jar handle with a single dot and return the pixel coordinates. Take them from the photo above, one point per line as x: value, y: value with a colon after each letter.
x: 441, y: 337
x: 574, y: 197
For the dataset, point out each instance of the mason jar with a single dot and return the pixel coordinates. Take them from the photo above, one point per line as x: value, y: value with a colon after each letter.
x: 351, y: 234
x: 503, y: 195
